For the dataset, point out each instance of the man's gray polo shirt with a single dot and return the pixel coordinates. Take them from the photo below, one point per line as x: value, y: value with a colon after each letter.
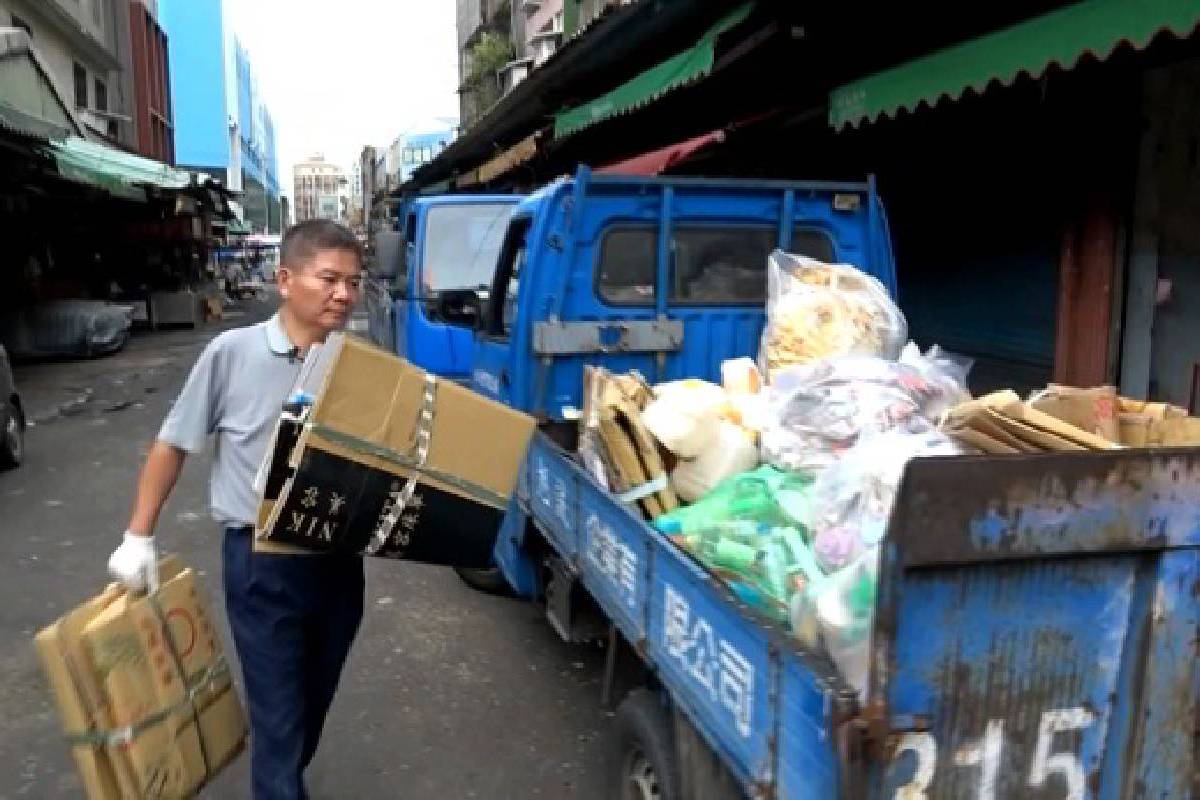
x: 236, y: 391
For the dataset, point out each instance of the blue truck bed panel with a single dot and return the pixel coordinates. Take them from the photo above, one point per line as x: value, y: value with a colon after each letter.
x: 615, y: 559
x: 722, y: 671
x: 810, y: 705
x: 1036, y: 627
x: 1036, y: 633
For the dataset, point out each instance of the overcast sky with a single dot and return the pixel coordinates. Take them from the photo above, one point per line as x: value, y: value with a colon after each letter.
x: 341, y: 74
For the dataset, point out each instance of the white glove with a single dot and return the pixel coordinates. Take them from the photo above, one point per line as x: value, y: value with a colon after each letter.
x: 135, y: 563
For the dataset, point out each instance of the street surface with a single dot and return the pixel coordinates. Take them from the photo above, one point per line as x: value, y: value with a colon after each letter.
x: 448, y: 693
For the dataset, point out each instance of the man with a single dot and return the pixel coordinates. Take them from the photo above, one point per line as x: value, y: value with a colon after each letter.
x: 293, y: 616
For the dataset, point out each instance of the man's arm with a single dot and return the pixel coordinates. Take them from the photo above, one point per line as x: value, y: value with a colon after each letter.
x: 159, y: 474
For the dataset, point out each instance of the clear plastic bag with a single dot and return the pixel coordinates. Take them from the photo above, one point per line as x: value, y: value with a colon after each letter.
x: 817, y: 412
x: 817, y: 310
x: 946, y: 374
x: 852, y: 500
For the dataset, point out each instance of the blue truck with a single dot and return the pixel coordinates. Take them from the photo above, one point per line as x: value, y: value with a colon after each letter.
x: 1036, y: 621
x: 443, y: 252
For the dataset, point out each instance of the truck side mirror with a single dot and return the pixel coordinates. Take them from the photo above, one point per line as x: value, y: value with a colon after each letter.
x: 460, y: 307
x: 389, y: 255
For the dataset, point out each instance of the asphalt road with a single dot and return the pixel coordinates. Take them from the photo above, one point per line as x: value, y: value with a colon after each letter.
x: 448, y: 693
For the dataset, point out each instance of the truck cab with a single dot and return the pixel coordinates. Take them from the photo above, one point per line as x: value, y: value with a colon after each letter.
x: 663, y: 276
x: 428, y: 276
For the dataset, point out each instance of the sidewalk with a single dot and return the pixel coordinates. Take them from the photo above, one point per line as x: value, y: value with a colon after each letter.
x: 51, y: 390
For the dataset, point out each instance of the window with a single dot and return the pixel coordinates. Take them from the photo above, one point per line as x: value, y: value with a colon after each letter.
x: 721, y: 264
x: 813, y: 243
x: 101, y: 95
x: 81, y: 87
x: 626, y: 270
x: 17, y: 22
x: 461, y: 245
x: 710, y: 264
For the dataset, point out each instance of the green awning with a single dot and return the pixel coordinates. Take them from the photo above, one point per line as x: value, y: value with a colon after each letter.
x: 679, y: 69
x: 117, y: 172
x: 1061, y: 37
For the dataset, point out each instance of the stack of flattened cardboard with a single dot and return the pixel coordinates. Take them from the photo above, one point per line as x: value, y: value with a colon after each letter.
x: 1145, y: 424
x: 389, y: 461
x: 144, y: 691
x: 1065, y: 419
x: 612, y: 423
x: 1001, y: 423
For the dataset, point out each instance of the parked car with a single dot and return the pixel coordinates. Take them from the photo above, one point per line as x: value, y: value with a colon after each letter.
x: 12, y: 417
x: 72, y: 328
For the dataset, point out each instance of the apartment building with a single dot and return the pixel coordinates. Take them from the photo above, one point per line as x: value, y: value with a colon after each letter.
x: 108, y: 58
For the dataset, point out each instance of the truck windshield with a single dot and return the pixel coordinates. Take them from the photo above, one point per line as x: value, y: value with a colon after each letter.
x: 461, y: 245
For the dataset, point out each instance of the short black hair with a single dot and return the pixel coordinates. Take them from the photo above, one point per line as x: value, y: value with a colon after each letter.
x: 305, y: 239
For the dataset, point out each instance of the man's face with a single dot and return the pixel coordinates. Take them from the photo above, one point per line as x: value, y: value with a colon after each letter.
x: 322, y: 291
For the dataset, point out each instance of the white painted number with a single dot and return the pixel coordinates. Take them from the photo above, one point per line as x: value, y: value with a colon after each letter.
x: 1068, y: 765
x: 925, y: 747
x: 986, y: 756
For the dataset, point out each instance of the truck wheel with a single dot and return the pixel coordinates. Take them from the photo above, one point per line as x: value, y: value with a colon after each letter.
x: 488, y: 580
x: 642, y: 761
x: 12, y: 436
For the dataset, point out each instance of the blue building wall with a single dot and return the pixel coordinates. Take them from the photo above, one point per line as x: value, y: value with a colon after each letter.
x: 212, y: 82
x: 196, y: 48
x: 257, y: 130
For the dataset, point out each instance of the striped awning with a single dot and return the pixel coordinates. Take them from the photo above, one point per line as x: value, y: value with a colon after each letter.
x: 1061, y: 38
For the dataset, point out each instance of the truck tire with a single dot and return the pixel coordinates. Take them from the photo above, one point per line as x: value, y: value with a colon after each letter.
x: 12, y: 436
x: 488, y: 580
x: 642, y: 762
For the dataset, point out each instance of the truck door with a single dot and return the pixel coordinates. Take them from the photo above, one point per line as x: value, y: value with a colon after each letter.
x: 495, y: 341
x: 455, y: 257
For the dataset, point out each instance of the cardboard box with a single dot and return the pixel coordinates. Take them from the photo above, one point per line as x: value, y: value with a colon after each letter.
x: 1000, y: 423
x: 390, y: 454
x: 144, y: 692
x: 1093, y: 410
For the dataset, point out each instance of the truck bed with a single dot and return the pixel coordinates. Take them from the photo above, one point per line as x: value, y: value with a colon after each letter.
x: 1035, y: 634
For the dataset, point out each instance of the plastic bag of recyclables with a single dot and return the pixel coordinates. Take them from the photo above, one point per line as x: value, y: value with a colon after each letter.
x: 851, y: 505
x: 817, y: 310
x: 818, y: 411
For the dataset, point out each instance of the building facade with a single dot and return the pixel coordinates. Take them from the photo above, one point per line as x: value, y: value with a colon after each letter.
x: 417, y: 147
x: 484, y: 29
x: 108, y: 58
x: 146, y: 77
x: 223, y: 123
x: 321, y: 190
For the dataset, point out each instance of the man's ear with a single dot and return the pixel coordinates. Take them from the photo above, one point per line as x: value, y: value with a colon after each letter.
x: 283, y: 277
